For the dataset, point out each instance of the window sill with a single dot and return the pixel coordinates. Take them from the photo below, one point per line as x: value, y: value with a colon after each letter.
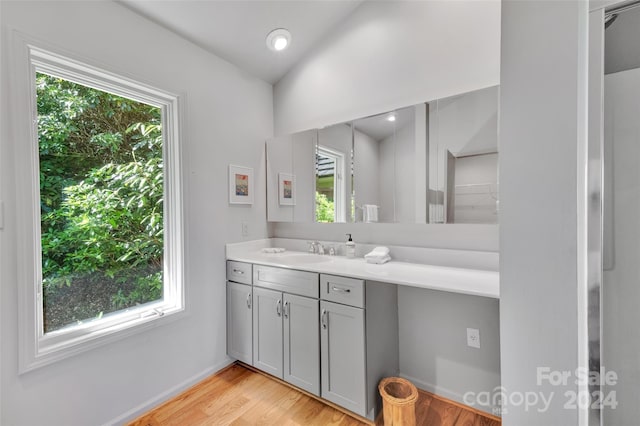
x: 51, y: 351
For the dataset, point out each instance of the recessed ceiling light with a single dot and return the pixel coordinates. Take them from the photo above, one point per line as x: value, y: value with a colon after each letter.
x: 391, y: 117
x: 278, y: 39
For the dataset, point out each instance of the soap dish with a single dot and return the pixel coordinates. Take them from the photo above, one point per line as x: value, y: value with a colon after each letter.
x: 273, y: 250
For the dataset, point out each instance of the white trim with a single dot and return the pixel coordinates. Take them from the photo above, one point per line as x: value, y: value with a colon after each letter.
x: 171, y: 393
x: 37, y: 349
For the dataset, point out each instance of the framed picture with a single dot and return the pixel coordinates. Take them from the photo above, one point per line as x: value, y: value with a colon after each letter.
x: 287, y: 189
x: 240, y: 185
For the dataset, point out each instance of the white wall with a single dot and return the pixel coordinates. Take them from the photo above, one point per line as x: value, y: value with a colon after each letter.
x: 366, y: 158
x: 100, y: 385
x: 385, y: 56
x: 621, y: 292
x: 476, y: 189
x: 294, y: 154
x: 397, y: 177
x: 622, y: 50
x: 446, y: 366
x: 279, y: 151
x: 387, y: 180
x: 304, y: 169
x: 466, y: 124
x: 463, y: 125
x: 455, y: 236
x: 388, y: 55
x: 542, y: 122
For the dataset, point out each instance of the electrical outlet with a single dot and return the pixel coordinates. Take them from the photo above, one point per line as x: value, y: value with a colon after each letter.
x: 245, y: 229
x: 473, y: 338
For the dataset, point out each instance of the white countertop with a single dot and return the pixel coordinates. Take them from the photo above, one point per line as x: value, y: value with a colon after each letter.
x: 456, y: 280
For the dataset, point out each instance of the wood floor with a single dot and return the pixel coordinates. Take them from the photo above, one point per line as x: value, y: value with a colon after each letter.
x: 239, y: 396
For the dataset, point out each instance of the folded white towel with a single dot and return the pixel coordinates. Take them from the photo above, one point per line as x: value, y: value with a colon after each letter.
x: 369, y: 213
x: 273, y: 250
x: 378, y: 260
x: 378, y: 252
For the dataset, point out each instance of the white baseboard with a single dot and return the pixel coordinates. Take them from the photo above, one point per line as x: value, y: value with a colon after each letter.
x: 445, y: 393
x: 430, y: 387
x: 164, y: 396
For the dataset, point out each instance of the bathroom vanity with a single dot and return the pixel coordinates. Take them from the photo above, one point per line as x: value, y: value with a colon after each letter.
x: 328, y: 324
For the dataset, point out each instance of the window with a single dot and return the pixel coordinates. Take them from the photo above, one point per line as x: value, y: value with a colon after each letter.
x: 106, y: 185
x: 330, y: 192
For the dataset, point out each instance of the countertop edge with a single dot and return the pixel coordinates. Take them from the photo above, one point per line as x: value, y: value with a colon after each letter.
x: 489, y: 288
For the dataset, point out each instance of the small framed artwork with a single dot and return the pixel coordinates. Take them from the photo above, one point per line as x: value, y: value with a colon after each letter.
x: 287, y: 189
x: 240, y: 185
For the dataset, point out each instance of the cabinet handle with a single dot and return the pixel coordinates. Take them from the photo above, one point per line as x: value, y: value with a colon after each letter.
x: 238, y: 271
x: 249, y: 300
x: 323, y: 319
x: 279, y: 308
x: 341, y: 290
x: 286, y: 310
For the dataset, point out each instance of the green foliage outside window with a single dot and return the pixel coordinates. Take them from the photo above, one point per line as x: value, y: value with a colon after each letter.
x: 324, y: 208
x: 101, y: 192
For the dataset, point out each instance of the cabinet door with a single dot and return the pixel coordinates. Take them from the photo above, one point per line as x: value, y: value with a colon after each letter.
x: 267, y: 331
x: 302, y: 342
x: 343, y: 356
x: 239, y: 322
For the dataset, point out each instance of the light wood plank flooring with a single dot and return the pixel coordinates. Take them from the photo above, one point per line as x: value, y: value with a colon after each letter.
x: 240, y: 396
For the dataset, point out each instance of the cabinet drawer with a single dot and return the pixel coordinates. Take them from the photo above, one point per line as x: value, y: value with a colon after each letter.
x: 294, y: 282
x: 239, y: 272
x: 348, y: 291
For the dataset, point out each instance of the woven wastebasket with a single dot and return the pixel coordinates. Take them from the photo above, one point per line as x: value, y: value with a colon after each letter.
x: 399, y: 398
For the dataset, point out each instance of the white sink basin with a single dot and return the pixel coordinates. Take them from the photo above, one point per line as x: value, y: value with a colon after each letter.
x: 298, y: 258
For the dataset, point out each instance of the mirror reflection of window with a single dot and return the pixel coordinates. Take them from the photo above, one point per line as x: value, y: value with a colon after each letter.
x: 330, y: 189
x: 434, y: 162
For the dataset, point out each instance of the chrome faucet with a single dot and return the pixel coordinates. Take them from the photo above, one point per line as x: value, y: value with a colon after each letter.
x: 315, y: 247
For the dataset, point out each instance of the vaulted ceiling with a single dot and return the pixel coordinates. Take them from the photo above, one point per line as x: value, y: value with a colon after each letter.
x: 236, y: 30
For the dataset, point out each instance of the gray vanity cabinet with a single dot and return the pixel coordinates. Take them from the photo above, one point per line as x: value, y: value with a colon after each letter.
x: 343, y: 356
x: 239, y: 312
x: 286, y: 341
x: 267, y: 331
x: 335, y: 337
x: 359, y: 341
x: 302, y: 342
x: 239, y: 322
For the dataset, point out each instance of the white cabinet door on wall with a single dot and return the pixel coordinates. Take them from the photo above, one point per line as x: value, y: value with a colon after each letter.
x: 343, y: 356
x: 302, y: 342
x: 239, y: 322
x: 267, y: 331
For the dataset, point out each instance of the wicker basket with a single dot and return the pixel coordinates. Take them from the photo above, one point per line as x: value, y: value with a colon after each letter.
x: 399, y: 398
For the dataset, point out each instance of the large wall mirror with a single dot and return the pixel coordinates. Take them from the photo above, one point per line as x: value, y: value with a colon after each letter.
x: 435, y: 162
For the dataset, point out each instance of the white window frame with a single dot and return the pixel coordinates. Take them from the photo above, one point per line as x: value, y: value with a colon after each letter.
x: 339, y: 205
x: 37, y: 348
